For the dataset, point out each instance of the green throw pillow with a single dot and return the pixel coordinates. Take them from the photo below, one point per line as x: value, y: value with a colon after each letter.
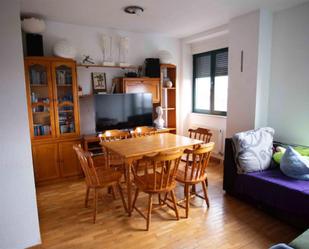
x: 301, y: 150
x: 277, y: 156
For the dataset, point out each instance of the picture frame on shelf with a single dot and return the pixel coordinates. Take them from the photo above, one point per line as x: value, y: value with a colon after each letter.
x: 98, y: 82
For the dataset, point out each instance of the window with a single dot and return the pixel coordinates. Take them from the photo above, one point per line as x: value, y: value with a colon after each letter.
x: 210, y: 82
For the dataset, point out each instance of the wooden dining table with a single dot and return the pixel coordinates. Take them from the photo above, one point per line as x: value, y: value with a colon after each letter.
x: 135, y: 148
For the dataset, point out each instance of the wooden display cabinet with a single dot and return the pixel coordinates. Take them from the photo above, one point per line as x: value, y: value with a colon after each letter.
x: 52, y: 97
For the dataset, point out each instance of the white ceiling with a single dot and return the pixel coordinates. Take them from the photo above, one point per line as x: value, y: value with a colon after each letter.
x: 178, y: 18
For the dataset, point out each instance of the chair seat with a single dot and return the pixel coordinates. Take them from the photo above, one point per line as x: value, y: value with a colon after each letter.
x: 108, y: 176
x: 146, y: 183
x: 182, y: 177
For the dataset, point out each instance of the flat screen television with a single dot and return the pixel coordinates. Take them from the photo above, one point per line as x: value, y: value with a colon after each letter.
x: 122, y: 111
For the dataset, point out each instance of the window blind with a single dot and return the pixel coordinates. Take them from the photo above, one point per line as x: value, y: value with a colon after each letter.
x: 221, y: 64
x: 202, y: 66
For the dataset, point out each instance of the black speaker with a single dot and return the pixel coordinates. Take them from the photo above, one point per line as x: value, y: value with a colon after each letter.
x: 152, y: 67
x: 34, y: 45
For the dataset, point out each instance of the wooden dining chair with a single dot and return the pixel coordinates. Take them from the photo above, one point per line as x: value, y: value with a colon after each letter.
x: 97, y: 178
x: 199, y: 134
x: 113, y: 160
x: 112, y: 135
x: 157, y: 177
x: 194, y: 173
x: 143, y: 131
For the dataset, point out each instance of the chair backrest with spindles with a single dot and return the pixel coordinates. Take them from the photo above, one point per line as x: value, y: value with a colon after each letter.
x: 112, y: 135
x: 200, y: 159
x: 109, y: 136
x: 160, y: 170
x: 143, y: 131
x: 87, y: 166
x: 200, y: 134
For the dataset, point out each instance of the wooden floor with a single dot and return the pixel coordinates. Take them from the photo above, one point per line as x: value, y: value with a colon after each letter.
x: 228, y: 223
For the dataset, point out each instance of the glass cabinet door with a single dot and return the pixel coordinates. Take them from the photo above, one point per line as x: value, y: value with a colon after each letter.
x: 65, y: 93
x: 39, y: 91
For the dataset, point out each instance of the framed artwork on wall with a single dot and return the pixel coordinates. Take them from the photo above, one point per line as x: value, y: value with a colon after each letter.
x: 98, y: 82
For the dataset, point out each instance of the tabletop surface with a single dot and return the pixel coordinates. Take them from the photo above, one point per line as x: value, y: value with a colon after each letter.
x: 135, y: 147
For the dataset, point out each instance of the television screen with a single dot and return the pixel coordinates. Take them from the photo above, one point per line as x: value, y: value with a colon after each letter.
x: 122, y: 111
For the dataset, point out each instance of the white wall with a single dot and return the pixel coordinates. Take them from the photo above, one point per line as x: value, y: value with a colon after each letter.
x: 87, y: 40
x: 264, y: 68
x: 243, y: 35
x: 289, y: 90
x: 248, y: 90
x: 185, y: 84
x: 218, y: 42
x: 19, y: 226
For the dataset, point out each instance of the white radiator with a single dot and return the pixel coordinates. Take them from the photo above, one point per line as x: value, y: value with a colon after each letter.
x: 218, y: 137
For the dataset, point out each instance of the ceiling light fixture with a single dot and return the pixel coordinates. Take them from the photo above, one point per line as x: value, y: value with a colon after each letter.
x: 134, y: 10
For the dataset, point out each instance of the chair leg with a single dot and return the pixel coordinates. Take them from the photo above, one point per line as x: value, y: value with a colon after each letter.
x: 124, y: 173
x: 175, y: 204
x: 205, y: 193
x: 113, y: 190
x: 193, y: 189
x: 149, y: 211
x: 122, y: 197
x: 87, y: 196
x: 95, y: 203
x: 187, y: 195
x: 135, y: 198
x: 165, y: 197
x: 206, y: 181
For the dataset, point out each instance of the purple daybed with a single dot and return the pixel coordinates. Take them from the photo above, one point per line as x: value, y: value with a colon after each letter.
x: 270, y: 189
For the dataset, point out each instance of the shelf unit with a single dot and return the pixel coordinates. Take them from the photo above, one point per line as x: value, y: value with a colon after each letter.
x: 117, y: 67
x: 168, y: 95
x: 53, y: 111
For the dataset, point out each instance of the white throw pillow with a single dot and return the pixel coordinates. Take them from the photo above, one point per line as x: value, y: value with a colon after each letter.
x: 253, y: 149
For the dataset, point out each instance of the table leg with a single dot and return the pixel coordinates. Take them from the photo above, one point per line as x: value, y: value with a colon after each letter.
x: 129, y: 186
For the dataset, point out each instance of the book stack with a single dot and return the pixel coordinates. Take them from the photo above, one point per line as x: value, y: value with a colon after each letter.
x: 38, y: 77
x: 64, y: 77
x: 41, y: 130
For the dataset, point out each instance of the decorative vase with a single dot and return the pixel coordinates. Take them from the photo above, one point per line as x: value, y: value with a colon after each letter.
x: 65, y: 49
x: 33, y: 25
x: 165, y: 57
x: 169, y: 84
x: 107, y: 50
x: 159, y: 121
x: 123, y: 51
